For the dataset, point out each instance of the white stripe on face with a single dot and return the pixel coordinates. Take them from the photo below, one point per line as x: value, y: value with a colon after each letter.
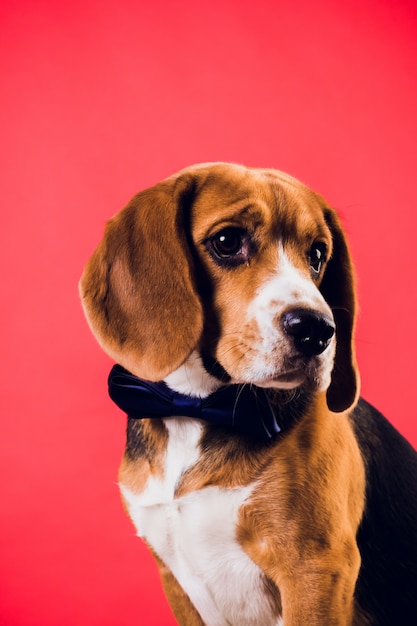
x: 271, y: 360
x: 288, y: 289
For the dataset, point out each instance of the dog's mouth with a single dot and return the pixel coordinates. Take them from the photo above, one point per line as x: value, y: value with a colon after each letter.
x: 289, y: 379
x: 290, y: 374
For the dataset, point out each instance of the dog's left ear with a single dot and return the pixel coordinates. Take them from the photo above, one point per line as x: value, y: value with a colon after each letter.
x: 338, y: 289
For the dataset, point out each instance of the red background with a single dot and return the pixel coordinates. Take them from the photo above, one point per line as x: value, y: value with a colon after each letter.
x: 101, y: 99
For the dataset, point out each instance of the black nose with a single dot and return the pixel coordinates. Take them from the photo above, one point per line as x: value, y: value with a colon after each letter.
x: 310, y: 331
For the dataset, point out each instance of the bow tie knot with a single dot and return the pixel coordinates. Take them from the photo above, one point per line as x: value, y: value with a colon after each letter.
x: 242, y: 407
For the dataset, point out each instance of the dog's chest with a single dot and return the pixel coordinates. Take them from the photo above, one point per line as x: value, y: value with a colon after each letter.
x: 195, y: 536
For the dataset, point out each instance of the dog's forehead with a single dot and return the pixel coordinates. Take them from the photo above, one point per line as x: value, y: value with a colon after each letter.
x: 268, y: 196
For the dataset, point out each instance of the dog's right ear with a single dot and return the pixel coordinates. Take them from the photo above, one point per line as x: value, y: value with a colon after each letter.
x: 138, y: 290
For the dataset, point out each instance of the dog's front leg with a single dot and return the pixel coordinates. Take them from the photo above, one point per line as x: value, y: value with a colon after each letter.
x: 300, y: 523
x: 315, y: 589
x: 318, y: 595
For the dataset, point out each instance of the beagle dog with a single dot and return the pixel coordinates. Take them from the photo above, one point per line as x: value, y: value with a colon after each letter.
x: 268, y: 492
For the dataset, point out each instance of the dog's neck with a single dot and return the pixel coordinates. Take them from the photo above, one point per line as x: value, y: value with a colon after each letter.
x: 242, y: 408
x: 193, y: 379
x: 191, y: 391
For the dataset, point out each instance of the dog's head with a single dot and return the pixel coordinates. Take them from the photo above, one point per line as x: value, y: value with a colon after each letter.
x: 247, y: 268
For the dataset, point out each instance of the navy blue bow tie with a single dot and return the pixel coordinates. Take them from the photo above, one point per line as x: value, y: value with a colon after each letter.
x: 243, y: 407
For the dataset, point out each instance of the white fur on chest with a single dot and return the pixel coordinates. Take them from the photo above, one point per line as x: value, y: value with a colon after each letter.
x: 195, y: 536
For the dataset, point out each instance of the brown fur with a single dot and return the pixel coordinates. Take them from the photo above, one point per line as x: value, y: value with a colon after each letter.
x: 304, y: 537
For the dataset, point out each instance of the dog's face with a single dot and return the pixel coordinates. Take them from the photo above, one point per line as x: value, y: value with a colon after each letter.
x: 247, y: 268
x: 264, y: 244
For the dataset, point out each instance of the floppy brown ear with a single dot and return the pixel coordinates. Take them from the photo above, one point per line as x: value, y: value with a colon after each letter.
x: 338, y: 289
x: 138, y: 289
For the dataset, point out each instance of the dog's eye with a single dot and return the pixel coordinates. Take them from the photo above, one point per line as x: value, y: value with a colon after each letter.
x: 228, y: 242
x: 317, y: 256
x: 231, y: 246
